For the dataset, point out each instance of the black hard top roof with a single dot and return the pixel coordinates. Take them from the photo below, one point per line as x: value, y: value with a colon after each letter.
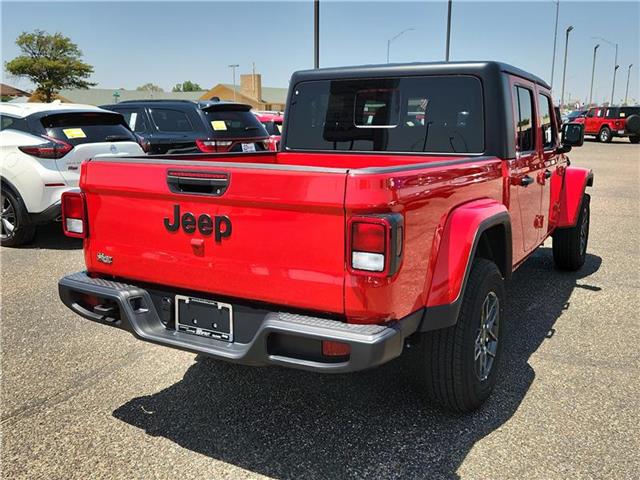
x: 485, y: 69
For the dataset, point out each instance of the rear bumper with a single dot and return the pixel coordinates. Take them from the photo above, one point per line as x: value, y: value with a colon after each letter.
x: 371, y: 345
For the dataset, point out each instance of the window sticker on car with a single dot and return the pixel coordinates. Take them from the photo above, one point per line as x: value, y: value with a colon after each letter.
x: 74, y: 133
x: 218, y: 125
x: 622, y: 114
x: 132, y: 120
x: 279, y: 125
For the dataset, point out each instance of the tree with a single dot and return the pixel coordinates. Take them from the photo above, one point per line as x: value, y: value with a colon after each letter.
x: 150, y: 87
x: 187, y: 86
x: 52, y: 62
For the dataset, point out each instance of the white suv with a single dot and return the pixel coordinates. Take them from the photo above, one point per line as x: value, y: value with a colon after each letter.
x: 41, y: 148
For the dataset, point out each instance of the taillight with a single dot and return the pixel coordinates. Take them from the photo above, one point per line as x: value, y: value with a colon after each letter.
x: 331, y: 348
x: 74, y: 215
x: 53, y: 148
x: 212, y: 146
x: 375, y: 244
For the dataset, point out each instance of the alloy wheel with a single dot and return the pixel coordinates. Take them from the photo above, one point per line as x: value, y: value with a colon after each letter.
x: 486, y: 344
x: 7, y: 218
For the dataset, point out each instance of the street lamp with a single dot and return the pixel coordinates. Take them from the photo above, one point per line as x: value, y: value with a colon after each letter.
x: 555, y: 38
x: 233, y: 67
x: 593, y: 71
x: 316, y: 34
x: 615, y: 64
x: 393, y: 38
x: 449, y: 29
x: 564, y: 70
x: 626, y: 92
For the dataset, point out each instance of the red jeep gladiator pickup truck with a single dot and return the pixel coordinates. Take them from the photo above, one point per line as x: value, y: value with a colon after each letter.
x: 403, y: 198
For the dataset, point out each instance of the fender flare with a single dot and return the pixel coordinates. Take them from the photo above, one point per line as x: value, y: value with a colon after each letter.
x: 457, y: 248
x: 576, y: 180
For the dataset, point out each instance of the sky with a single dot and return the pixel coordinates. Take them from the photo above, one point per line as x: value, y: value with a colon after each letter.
x: 167, y: 42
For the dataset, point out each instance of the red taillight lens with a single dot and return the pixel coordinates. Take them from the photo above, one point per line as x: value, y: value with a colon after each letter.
x: 213, y: 146
x: 376, y: 242
x: 74, y: 215
x: 335, y: 349
x: 368, y: 237
x: 53, y: 148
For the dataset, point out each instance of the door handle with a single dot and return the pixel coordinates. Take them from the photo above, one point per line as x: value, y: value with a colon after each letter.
x: 547, y: 174
x: 526, y: 181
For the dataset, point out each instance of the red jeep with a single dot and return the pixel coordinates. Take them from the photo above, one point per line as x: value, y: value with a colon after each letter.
x: 402, y: 200
x: 607, y: 122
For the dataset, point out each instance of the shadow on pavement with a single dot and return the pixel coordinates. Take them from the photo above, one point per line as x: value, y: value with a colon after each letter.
x: 51, y: 237
x: 289, y: 424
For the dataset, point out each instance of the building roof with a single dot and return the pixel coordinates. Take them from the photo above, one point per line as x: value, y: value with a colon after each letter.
x: 269, y: 94
x: 101, y: 96
x: 26, y: 109
x: 9, y: 91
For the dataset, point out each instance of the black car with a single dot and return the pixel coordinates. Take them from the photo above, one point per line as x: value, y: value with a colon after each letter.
x: 185, y: 126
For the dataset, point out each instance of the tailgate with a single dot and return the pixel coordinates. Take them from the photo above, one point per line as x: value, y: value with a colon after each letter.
x: 285, y: 245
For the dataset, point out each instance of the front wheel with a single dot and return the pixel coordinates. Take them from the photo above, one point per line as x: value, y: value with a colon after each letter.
x: 570, y: 244
x: 605, y: 135
x: 15, y: 228
x: 459, y: 364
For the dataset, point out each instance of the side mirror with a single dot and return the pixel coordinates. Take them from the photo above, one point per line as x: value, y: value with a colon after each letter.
x: 572, y: 136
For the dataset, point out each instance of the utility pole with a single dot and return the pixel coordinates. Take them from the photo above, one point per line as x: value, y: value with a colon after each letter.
x: 448, y: 30
x: 626, y: 92
x: 393, y: 38
x: 316, y: 33
x: 593, y: 71
x: 233, y: 67
x: 555, y: 39
x: 564, y: 70
x: 615, y: 70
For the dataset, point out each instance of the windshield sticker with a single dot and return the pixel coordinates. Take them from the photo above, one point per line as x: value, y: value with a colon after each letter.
x: 74, y: 133
x: 218, y: 125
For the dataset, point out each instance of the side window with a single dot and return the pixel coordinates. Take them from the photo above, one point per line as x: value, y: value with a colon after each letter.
x: 13, y: 123
x: 547, y: 126
x: 171, y: 120
x: 6, y: 122
x: 591, y: 113
x: 135, y: 118
x: 525, y: 126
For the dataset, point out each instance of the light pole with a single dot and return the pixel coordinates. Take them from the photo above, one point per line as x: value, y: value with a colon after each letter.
x: 593, y: 71
x: 615, y: 70
x: 626, y: 92
x: 316, y: 34
x: 564, y: 69
x: 233, y: 67
x: 555, y: 39
x: 393, y: 38
x: 449, y: 29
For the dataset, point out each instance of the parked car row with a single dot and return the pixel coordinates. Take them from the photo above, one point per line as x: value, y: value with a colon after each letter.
x: 43, y: 144
x: 604, y: 123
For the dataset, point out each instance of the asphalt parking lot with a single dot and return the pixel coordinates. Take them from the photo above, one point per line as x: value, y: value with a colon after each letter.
x: 80, y: 400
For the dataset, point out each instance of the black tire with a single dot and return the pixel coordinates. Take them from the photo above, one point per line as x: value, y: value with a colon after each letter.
x: 634, y: 139
x: 604, y: 135
x: 15, y: 228
x: 570, y: 244
x: 448, y: 365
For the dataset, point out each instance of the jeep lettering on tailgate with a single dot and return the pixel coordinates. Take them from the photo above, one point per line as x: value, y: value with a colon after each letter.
x: 220, y: 224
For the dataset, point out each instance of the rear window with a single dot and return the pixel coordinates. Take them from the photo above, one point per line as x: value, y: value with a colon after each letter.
x: 168, y: 120
x: 438, y: 114
x: 234, y: 123
x: 89, y: 127
x: 622, y: 112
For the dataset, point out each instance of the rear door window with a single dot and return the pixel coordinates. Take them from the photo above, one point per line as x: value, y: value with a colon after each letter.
x: 525, y: 126
x: 168, y: 120
x: 433, y: 114
x: 234, y: 123
x: 135, y: 118
x: 87, y: 127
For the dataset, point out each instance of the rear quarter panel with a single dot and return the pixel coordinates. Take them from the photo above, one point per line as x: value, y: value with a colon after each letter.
x: 425, y: 196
